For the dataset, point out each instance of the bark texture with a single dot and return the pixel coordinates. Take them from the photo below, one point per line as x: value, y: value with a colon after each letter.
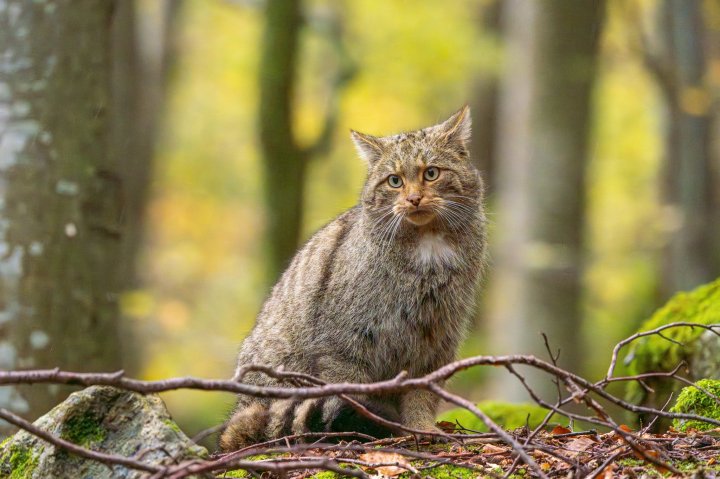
x: 62, y: 197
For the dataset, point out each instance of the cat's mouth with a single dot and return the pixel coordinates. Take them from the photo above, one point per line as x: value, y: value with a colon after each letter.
x: 420, y: 216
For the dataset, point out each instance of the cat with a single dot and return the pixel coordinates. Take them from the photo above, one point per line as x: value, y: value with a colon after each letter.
x: 388, y: 286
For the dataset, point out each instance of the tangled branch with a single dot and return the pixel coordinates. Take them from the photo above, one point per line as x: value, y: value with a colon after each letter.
x: 292, y: 454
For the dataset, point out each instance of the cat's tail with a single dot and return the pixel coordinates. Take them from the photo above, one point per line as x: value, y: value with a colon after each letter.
x: 255, y: 422
x: 245, y: 427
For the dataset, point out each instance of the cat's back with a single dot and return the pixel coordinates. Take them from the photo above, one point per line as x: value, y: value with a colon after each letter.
x: 295, y: 296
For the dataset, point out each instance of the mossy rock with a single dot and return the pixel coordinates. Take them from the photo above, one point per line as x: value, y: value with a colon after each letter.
x: 104, y: 419
x: 698, y: 347
x: 507, y: 415
x: 695, y: 401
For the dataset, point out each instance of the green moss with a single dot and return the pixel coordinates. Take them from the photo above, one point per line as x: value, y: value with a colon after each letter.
x: 172, y: 425
x: 326, y: 475
x: 235, y: 473
x: 242, y: 472
x: 654, y: 353
x: 506, y: 415
x: 83, y: 429
x: 18, y: 462
x: 694, y: 401
x: 447, y: 471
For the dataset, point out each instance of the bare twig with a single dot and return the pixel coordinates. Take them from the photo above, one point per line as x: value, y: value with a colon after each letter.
x: 592, y: 395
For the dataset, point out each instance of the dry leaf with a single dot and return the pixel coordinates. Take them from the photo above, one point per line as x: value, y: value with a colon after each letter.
x: 625, y: 428
x: 557, y: 430
x: 490, y: 449
x: 446, y: 426
x: 578, y: 445
x: 389, y: 459
x: 608, y: 472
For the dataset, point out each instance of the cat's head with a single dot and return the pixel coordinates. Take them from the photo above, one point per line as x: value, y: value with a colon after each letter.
x: 423, y: 177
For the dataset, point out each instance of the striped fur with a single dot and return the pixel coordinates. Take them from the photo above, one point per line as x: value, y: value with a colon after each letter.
x: 381, y: 289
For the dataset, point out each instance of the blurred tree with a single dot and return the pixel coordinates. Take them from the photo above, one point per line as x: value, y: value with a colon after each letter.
x: 543, y: 148
x: 284, y: 159
x: 144, y: 53
x: 485, y: 101
x: 62, y: 197
x: 677, y: 57
x: 144, y: 49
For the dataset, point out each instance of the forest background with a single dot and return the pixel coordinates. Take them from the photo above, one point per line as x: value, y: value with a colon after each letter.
x: 211, y: 137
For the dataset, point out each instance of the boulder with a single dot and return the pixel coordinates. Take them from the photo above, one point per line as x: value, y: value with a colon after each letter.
x: 104, y: 419
x: 696, y: 347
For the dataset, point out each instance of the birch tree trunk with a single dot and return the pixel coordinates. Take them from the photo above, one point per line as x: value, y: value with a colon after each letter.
x: 542, y: 149
x: 61, y: 196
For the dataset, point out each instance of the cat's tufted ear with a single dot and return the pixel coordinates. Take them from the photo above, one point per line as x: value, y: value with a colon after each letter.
x: 456, y: 129
x: 369, y: 147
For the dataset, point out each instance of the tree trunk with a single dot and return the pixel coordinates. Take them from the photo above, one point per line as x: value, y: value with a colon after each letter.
x: 485, y: 103
x: 283, y: 159
x: 61, y: 191
x: 543, y: 141
x: 143, y: 54
x: 689, y: 258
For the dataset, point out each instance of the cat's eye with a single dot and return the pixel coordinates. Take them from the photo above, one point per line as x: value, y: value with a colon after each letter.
x: 395, y: 181
x: 431, y: 174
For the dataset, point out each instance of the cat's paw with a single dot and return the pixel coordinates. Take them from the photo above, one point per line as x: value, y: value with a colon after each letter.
x: 433, y: 434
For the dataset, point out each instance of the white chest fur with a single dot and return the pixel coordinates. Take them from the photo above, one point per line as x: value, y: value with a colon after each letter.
x: 434, y: 249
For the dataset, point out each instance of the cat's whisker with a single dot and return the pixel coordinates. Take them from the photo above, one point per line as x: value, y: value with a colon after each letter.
x: 473, y: 199
x: 388, y: 211
x: 382, y: 242
x: 458, y: 220
x: 386, y: 233
x: 439, y: 210
x: 463, y: 206
x: 397, y: 227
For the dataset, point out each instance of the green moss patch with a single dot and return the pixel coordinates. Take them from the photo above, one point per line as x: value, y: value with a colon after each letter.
x: 83, y: 429
x: 654, y: 353
x: 172, y: 425
x: 17, y: 462
x: 507, y: 415
x: 447, y: 471
x: 694, y: 401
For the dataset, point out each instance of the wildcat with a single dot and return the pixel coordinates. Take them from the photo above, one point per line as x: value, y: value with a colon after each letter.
x: 387, y: 286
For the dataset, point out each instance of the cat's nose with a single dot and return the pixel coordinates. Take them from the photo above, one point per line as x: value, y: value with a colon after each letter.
x: 414, y: 198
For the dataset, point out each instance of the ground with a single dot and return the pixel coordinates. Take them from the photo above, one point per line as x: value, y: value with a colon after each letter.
x: 682, y: 454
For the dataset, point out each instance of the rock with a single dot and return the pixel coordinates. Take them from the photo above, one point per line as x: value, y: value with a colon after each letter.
x: 694, y: 400
x: 697, y: 347
x: 104, y: 419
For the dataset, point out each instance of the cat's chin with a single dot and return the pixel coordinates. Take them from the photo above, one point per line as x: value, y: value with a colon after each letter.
x: 420, y: 218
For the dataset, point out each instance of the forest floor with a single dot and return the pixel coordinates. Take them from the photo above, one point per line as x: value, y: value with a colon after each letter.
x: 558, y: 453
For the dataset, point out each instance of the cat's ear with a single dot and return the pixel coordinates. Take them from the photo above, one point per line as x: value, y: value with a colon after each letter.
x: 368, y: 147
x: 456, y: 129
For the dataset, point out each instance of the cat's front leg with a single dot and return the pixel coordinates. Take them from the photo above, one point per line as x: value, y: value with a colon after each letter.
x: 418, y: 409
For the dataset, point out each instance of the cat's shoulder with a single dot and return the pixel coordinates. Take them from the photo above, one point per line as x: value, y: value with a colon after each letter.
x: 335, y: 231
x: 339, y: 225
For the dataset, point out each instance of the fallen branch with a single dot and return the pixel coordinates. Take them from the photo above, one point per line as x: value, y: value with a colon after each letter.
x: 579, y: 390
